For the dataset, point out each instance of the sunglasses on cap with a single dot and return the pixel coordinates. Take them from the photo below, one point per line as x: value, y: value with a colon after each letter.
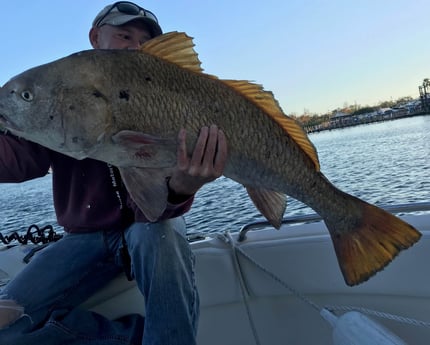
x: 129, y: 8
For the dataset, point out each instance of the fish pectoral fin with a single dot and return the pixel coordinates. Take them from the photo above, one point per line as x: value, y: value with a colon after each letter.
x: 271, y: 204
x: 148, y: 189
x: 144, y: 150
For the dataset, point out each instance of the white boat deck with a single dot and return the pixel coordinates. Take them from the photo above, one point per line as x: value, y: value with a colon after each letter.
x: 263, y: 311
x: 245, y: 287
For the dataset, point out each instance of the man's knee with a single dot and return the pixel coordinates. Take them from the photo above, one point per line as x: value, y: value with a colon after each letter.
x: 10, y: 311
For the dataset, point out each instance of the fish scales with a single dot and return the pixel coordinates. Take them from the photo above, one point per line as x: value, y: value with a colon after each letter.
x: 191, y: 101
x: 126, y: 108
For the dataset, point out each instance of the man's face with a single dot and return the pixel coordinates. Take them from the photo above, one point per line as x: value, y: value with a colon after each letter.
x: 128, y: 36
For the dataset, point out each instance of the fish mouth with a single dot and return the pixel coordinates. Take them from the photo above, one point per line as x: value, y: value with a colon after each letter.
x: 7, y: 124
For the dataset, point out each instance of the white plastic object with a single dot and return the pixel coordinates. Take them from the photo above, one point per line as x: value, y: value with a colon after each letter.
x: 353, y: 328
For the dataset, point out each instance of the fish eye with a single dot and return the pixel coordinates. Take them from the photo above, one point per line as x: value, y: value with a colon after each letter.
x: 27, y: 95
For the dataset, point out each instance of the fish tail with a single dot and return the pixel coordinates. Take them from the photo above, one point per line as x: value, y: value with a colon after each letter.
x: 374, y: 239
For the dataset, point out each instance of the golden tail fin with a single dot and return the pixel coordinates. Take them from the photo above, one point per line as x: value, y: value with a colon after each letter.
x: 372, y: 243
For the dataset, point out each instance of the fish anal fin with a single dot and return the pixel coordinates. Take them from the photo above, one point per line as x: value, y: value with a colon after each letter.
x: 148, y: 189
x: 372, y: 244
x: 175, y: 47
x: 266, y: 101
x: 271, y: 204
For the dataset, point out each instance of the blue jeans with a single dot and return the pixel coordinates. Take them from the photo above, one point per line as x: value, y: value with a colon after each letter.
x: 66, y: 273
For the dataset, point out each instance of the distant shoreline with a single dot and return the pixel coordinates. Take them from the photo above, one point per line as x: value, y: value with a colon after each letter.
x: 352, y: 122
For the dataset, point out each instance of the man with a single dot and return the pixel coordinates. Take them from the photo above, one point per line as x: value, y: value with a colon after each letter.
x: 106, y: 233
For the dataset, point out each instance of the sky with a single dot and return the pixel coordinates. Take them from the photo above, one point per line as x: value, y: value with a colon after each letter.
x: 314, y: 55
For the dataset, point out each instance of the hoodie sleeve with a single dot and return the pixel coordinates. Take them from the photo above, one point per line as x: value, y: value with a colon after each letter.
x: 22, y: 160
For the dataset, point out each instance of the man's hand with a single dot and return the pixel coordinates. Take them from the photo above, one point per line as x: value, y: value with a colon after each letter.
x: 205, y: 165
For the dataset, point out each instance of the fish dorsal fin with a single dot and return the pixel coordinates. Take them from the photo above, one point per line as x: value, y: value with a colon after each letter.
x: 175, y: 47
x: 267, y: 102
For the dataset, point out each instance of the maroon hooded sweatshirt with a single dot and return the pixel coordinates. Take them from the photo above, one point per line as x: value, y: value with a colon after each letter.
x: 88, y: 194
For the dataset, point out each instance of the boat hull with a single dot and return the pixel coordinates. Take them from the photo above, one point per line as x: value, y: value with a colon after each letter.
x: 299, y: 256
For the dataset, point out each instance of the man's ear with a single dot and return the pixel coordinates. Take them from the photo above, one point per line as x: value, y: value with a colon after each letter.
x: 94, y: 37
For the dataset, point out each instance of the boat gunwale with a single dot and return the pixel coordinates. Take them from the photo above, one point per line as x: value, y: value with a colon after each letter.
x: 314, y: 217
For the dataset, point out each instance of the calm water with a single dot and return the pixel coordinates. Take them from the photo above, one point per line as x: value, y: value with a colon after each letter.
x: 383, y: 163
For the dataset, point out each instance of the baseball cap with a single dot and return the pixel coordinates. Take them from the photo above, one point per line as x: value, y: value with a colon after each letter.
x: 122, y: 12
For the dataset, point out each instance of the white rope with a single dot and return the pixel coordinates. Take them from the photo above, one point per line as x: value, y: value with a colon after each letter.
x: 380, y: 314
x: 228, y: 238
x: 275, y: 277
